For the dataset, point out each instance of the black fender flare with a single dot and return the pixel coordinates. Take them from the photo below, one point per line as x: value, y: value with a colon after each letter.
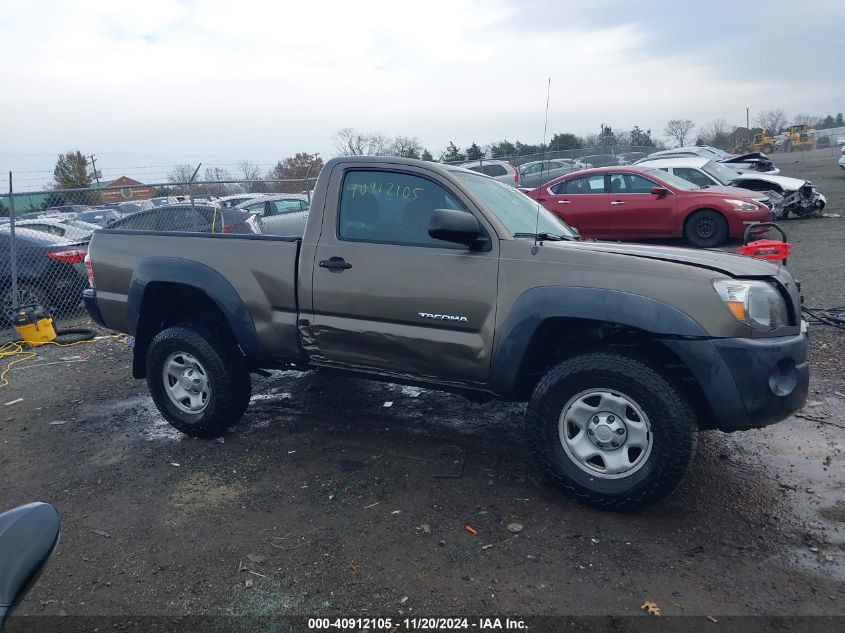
x: 536, y: 305
x: 205, y: 279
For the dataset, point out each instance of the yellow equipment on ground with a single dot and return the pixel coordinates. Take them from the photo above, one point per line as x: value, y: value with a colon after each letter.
x: 798, y: 138
x: 762, y: 142
x: 34, y: 324
x: 740, y: 146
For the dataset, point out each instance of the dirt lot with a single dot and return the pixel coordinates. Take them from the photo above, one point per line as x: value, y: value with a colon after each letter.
x: 341, y: 505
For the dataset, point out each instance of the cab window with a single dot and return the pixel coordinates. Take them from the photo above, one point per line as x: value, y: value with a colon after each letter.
x: 391, y: 207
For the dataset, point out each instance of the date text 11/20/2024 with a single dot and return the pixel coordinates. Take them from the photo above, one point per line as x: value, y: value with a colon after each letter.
x: 417, y: 624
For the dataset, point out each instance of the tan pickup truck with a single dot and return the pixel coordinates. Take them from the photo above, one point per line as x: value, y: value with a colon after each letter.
x: 418, y: 273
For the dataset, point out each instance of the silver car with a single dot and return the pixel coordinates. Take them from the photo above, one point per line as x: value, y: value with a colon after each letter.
x: 540, y: 172
x: 500, y: 170
x: 274, y: 209
x: 68, y: 228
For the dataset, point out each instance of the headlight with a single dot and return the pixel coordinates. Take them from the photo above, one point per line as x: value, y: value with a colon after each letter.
x: 742, y: 205
x: 756, y: 303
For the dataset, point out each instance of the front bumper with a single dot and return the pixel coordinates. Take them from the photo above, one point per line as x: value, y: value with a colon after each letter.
x: 747, y: 383
x: 89, y: 296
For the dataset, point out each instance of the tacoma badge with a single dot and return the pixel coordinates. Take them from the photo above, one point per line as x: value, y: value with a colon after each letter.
x: 444, y: 317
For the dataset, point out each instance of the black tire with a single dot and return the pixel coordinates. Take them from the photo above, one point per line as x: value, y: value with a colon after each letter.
x: 227, y: 376
x: 706, y: 228
x: 672, y: 422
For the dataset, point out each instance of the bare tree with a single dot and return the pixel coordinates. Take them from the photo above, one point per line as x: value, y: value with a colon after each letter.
x: 771, y: 120
x: 678, y: 130
x: 377, y: 145
x: 807, y: 119
x: 406, y: 146
x: 180, y: 174
x: 350, y: 142
x: 248, y: 170
x: 716, y: 127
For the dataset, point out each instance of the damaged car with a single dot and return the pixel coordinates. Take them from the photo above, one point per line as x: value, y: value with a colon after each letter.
x: 790, y: 196
x: 741, y: 163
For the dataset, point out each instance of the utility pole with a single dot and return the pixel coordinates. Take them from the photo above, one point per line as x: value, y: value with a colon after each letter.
x: 94, y: 167
x: 747, y: 120
x: 96, y: 176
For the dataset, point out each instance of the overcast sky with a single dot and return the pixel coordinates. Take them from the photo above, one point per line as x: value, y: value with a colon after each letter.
x: 150, y: 84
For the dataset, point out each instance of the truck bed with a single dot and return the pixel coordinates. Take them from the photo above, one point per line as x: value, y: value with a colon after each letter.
x: 262, y: 270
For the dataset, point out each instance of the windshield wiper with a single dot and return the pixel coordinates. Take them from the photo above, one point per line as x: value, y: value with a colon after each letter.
x: 546, y: 237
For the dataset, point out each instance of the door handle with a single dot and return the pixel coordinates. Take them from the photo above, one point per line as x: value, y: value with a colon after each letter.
x: 337, y: 264
x: 564, y: 202
x: 617, y: 202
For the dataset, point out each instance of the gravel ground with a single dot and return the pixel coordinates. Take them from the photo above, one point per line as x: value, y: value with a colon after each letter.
x: 326, y: 501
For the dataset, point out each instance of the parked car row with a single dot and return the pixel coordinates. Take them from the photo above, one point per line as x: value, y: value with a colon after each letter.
x: 50, y: 271
x: 792, y: 195
x: 753, y: 161
x: 634, y: 202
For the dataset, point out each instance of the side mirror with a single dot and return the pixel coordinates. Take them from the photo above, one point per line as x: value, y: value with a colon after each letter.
x: 660, y: 191
x: 28, y: 535
x: 451, y: 225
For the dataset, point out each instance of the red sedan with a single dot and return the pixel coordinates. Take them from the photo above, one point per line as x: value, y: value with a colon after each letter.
x: 634, y: 203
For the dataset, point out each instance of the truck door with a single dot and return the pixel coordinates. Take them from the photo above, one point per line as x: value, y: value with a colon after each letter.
x: 635, y: 212
x: 389, y: 298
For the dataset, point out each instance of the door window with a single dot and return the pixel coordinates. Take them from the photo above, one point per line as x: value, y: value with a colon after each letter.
x: 391, y: 207
x: 182, y: 219
x: 576, y: 186
x: 630, y: 183
x: 493, y: 169
x: 138, y: 222
x: 694, y: 176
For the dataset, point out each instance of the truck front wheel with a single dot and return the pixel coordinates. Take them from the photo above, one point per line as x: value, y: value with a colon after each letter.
x: 198, y: 380
x: 611, y: 430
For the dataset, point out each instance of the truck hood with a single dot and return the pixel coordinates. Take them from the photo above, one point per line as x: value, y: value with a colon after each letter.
x: 729, y: 264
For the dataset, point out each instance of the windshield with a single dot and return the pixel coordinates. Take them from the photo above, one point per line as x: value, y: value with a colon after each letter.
x: 515, y: 210
x: 671, y: 179
x: 724, y: 175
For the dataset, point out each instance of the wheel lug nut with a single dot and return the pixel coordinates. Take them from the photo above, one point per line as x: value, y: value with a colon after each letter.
x: 596, y: 419
x: 615, y: 444
x: 611, y: 418
x: 620, y: 431
x: 589, y: 431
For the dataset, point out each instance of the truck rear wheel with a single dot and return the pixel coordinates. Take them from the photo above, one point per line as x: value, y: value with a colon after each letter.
x: 198, y: 380
x: 611, y: 431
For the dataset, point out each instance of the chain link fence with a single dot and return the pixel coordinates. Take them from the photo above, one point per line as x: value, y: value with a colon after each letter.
x: 604, y: 154
x: 44, y: 235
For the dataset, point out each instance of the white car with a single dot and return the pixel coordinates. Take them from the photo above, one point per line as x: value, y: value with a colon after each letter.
x: 68, y: 228
x: 799, y: 196
x: 842, y: 160
x: 753, y: 161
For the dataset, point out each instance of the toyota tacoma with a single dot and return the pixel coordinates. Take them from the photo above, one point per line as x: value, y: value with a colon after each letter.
x: 418, y: 273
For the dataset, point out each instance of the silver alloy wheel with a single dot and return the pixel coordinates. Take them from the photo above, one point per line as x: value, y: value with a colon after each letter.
x: 186, y: 382
x: 605, y: 433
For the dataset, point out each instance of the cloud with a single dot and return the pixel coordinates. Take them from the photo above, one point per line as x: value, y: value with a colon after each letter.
x: 229, y: 80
